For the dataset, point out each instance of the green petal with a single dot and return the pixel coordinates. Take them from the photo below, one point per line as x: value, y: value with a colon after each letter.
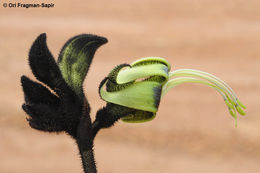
x: 151, y: 60
x: 139, y: 117
x: 143, y: 95
x: 114, y: 73
x: 139, y: 72
x: 76, y: 57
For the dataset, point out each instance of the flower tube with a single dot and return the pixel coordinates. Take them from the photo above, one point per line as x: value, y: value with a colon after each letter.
x: 142, y: 84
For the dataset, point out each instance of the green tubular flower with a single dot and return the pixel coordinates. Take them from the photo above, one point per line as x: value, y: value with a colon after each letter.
x: 142, y: 84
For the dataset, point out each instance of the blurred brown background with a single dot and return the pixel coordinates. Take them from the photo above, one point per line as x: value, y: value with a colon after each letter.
x: 193, y: 131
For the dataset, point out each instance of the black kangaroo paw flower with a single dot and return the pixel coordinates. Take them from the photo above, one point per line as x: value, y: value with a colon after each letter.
x: 36, y: 93
x: 44, y: 67
x: 68, y: 111
x: 43, y: 117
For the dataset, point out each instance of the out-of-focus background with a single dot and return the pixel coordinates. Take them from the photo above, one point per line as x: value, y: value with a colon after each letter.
x: 193, y: 131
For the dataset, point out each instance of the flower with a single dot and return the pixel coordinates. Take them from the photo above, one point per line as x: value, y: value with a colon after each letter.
x: 142, y: 84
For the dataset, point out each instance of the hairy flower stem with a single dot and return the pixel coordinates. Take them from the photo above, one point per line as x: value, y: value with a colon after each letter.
x: 84, y: 140
x: 107, y: 116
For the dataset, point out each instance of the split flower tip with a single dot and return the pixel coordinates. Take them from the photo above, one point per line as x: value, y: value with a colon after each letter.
x: 142, y: 84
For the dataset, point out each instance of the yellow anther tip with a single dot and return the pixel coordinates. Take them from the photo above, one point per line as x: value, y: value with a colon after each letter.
x: 240, y: 104
x: 240, y: 111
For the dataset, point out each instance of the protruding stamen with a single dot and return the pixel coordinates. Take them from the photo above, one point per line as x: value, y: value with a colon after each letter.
x: 226, y: 89
x: 239, y: 110
x: 196, y: 76
x: 174, y: 82
x: 177, y: 81
x: 192, y: 73
x: 240, y: 104
x: 214, y: 77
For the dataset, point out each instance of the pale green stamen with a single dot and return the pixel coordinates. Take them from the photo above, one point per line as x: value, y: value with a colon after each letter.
x: 177, y: 81
x: 219, y: 80
x: 192, y: 73
x: 222, y: 87
x: 197, y: 76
